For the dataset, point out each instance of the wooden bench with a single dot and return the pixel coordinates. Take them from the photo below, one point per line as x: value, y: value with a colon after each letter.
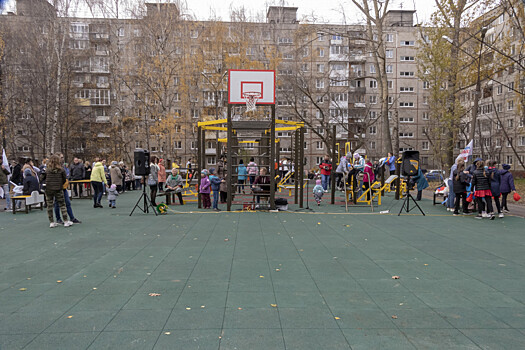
x: 29, y: 200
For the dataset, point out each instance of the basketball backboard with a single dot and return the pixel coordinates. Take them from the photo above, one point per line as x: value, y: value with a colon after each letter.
x: 243, y: 82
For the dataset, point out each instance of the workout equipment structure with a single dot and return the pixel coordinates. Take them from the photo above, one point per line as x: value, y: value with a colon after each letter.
x: 250, y: 134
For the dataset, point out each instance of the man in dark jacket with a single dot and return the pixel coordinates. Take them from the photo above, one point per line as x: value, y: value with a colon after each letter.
x: 77, y: 172
x: 16, y: 176
x: 30, y: 183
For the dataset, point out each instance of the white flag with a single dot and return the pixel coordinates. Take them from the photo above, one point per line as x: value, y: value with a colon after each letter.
x: 467, y: 151
x: 5, y: 163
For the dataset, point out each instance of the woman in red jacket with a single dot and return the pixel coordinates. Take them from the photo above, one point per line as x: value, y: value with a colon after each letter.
x: 326, y: 170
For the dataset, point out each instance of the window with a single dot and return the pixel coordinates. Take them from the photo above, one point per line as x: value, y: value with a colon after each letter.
x: 406, y: 89
x: 390, y: 100
x: 211, y: 161
x: 288, y: 56
x: 79, y: 44
x: 193, y: 144
x: 373, y: 99
x: 407, y: 43
x: 372, y: 145
x: 319, y: 145
x: 372, y: 130
x: 509, y: 142
x: 508, y: 159
x: 425, y: 146
x: 521, y: 141
x: 404, y: 135
x: 499, y: 90
x: 372, y: 68
x: 406, y: 104
x: 320, y: 68
x: 389, y: 53
x: 373, y: 114
x: 510, y: 123
x: 510, y: 105
x: 320, y: 36
x: 194, y: 33
x: 510, y: 87
x: 426, y: 85
x: 177, y: 144
x: 338, y: 50
x: 406, y: 119
x: 320, y: 52
x: 319, y: 83
x: 389, y: 69
x: 79, y: 28
x: 425, y: 100
x: 390, y: 38
x: 195, y: 113
x: 285, y: 41
x: 408, y: 58
x: 390, y: 84
x: 373, y: 84
x: 406, y: 74
x: 120, y: 32
x: 318, y: 160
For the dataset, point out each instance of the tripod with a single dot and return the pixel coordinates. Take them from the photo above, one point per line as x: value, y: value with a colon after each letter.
x: 406, y: 202
x: 146, y: 201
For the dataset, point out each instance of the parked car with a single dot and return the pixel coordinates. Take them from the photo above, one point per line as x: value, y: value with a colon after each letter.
x: 435, y: 175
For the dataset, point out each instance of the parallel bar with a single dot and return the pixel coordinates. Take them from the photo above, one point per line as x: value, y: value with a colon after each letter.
x: 286, y: 122
x: 285, y: 128
x: 294, y: 161
x: 334, y: 161
x: 301, y: 163
x: 212, y: 122
x: 218, y: 128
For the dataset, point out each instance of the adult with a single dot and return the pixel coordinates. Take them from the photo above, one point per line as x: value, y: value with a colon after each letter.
x: 326, y: 171
x: 252, y: 170
x: 123, y: 170
x: 67, y: 201
x: 261, y: 184
x: 162, y: 174
x: 357, y: 167
x: 4, y: 183
x: 78, y: 172
x: 421, y: 182
x: 153, y: 179
x: 342, y: 170
x: 55, y: 180
x: 174, y: 184
x: 116, y: 175
x: 28, y: 164
x: 242, y: 172
x: 30, y: 183
x: 98, y: 180
x: 506, y: 186
x: 461, y: 180
x: 137, y: 180
x: 495, y: 181
x: 390, y: 164
x: 128, y: 179
x: 16, y: 173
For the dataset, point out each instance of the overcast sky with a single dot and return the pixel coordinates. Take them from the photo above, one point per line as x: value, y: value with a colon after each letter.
x: 324, y: 11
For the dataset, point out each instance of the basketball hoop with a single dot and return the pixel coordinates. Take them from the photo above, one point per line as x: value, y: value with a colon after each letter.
x: 251, y: 99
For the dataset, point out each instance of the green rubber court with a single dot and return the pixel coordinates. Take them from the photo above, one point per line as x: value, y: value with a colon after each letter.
x: 195, y: 279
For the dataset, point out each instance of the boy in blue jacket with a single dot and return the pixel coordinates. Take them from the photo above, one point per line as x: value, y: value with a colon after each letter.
x: 215, y: 187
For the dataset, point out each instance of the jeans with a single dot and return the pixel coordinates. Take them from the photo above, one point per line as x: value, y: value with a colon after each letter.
x: 252, y: 179
x: 215, y: 199
x: 241, y: 185
x: 68, y: 207
x: 112, y: 202
x: 451, y: 194
x: 325, y: 181
x: 7, y: 196
x: 97, y: 191
x: 138, y: 185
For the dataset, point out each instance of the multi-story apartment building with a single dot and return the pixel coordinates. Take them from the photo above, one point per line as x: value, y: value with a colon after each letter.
x: 146, y: 82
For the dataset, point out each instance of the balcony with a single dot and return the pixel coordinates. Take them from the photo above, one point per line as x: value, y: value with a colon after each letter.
x: 359, y: 105
x: 102, y: 119
x: 211, y: 151
x: 99, y: 36
x: 358, y: 90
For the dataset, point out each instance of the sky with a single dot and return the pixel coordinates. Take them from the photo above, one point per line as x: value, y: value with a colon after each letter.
x: 325, y: 11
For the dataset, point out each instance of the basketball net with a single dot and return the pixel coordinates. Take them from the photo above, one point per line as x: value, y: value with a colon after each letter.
x: 251, y: 99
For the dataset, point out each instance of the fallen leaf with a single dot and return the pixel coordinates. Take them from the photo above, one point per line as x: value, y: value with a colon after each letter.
x: 29, y: 278
x: 226, y: 240
x: 395, y: 277
x: 94, y: 288
x: 203, y: 306
x: 318, y: 223
x: 261, y: 276
x: 71, y: 316
x: 337, y: 318
x: 277, y: 270
x: 59, y: 281
x: 273, y: 305
x: 347, y: 225
x: 85, y: 276
x: 188, y: 308
x: 401, y: 304
x: 239, y: 308
x: 167, y: 333
x: 394, y: 317
x: 154, y: 294
x: 426, y: 264
x: 22, y: 289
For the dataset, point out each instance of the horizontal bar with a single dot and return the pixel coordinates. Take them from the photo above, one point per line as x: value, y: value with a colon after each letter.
x: 212, y: 122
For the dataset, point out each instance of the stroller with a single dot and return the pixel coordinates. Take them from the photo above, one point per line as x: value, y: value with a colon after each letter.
x: 441, y: 191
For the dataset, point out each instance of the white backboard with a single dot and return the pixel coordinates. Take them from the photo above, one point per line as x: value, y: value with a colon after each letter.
x: 242, y: 81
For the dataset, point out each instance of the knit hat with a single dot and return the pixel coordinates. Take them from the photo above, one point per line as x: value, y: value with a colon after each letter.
x: 212, y: 170
x: 506, y: 166
x: 356, y: 155
x: 204, y: 171
x: 113, y: 186
x: 478, y: 160
x: 28, y: 172
x: 318, y: 182
x: 114, y: 162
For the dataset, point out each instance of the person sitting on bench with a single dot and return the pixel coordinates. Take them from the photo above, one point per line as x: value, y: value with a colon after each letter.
x: 261, y: 183
x: 174, y: 184
x: 30, y: 183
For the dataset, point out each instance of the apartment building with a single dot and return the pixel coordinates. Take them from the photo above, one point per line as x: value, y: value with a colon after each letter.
x: 325, y: 76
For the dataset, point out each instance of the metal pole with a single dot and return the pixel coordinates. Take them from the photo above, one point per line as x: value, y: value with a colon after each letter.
x: 296, y: 171
x: 301, y: 163
x: 398, y: 180
x: 229, y: 159
x: 199, y: 164
x: 334, y: 160
x: 272, y: 160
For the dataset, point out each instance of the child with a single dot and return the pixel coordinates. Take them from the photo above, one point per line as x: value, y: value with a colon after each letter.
x: 460, y: 179
x: 204, y: 189
x: 481, y: 184
x: 368, y: 178
x: 318, y: 191
x: 112, y: 196
x: 242, y: 172
x: 215, y: 187
x: 507, y: 185
x: 495, y: 182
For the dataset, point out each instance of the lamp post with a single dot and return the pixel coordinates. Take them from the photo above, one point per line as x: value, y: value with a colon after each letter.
x: 474, y: 112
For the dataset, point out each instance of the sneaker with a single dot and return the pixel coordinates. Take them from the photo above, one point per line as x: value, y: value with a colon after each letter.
x: 53, y: 224
x: 60, y: 222
x: 491, y: 217
x: 113, y: 207
x: 501, y: 215
x: 68, y: 223
x: 479, y: 216
x: 76, y: 221
x: 455, y: 214
x: 485, y: 215
x: 217, y: 209
x: 506, y: 210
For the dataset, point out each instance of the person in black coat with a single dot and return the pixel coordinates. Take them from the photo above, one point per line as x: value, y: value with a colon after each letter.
x: 30, y: 183
x: 481, y: 184
x: 16, y: 174
x: 461, y: 179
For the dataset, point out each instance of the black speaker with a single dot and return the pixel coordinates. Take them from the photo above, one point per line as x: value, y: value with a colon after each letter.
x: 141, y: 161
x: 410, y: 163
